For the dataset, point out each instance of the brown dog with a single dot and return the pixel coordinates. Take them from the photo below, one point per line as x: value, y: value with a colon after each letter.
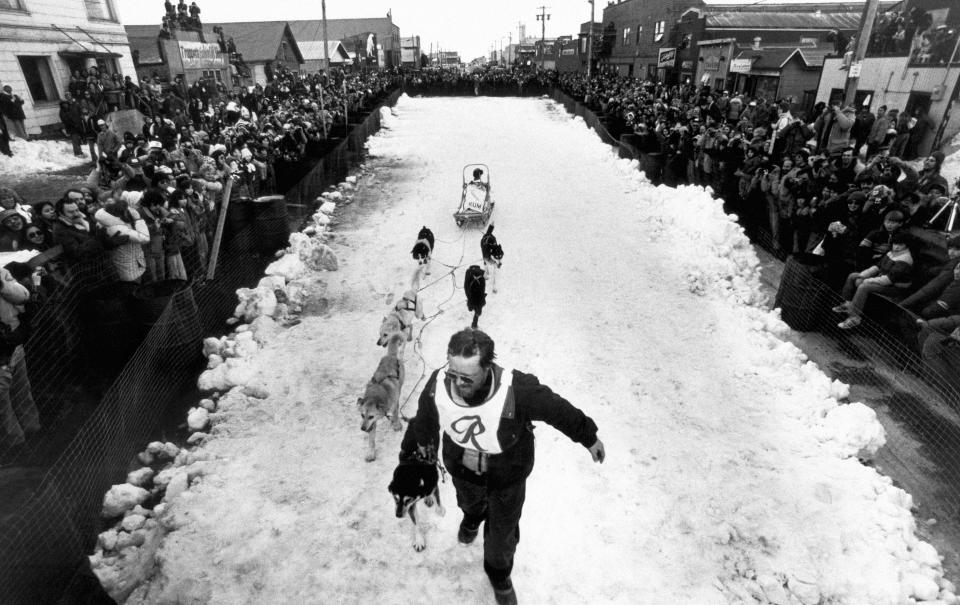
x: 381, y: 399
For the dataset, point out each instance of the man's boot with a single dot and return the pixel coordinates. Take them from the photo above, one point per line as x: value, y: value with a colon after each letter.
x: 468, y: 530
x: 503, y: 591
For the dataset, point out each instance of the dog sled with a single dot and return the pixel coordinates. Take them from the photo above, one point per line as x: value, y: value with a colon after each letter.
x: 475, y: 205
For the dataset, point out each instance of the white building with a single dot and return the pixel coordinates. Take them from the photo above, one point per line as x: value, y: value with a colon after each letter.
x: 43, y: 41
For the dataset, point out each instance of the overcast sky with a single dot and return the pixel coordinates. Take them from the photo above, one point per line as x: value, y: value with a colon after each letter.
x: 469, y: 28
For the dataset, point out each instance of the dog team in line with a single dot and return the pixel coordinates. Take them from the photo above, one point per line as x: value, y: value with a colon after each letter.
x: 481, y: 412
x: 381, y: 398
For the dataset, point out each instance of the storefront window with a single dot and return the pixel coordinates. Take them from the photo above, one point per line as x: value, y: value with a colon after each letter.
x: 658, y: 31
x: 626, y: 36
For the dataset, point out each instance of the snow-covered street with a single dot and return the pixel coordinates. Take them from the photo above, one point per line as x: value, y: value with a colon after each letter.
x: 732, y: 471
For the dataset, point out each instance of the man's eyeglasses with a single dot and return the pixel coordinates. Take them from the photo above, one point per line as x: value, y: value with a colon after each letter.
x: 454, y: 377
x: 34, y: 234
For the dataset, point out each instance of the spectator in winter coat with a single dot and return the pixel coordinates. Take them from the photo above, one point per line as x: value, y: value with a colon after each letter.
x: 11, y: 231
x: 5, y: 139
x: 72, y: 231
x: 861, y: 128
x: 929, y: 179
x: 903, y: 125
x: 153, y: 212
x: 18, y: 412
x: 940, y: 342
x: 878, y: 132
x: 879, y: 241
x: 72, y: 121
x: 891, y: 276
x: 178, y: 235
x: 11, y: 108
x: 108, y: 143
x: 843, y: 121
x: 11, y: 200
x: 941, y: 295
x: 129, y: 233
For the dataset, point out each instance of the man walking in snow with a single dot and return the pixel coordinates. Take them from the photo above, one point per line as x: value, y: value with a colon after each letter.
x: 490, y: 467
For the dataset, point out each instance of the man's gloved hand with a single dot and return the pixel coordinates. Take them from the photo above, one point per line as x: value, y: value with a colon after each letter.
x: 597, y: 451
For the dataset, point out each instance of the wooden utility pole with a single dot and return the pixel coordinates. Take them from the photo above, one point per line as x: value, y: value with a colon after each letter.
x: 326, y: 51
x: 543, y: 17
x: 867, y: 19
x: 590, y: 44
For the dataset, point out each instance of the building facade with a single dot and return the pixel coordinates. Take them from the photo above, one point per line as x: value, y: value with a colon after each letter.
x: 917, y: 73
x: 264, y: 46
x: 43, y: 41
x: 639, y: 28
x: 384, y: 30
x: 185, y: 53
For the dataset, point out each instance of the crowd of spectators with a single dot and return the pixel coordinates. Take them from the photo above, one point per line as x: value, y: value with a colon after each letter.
x: 152, y: 198
x: 840, y: 183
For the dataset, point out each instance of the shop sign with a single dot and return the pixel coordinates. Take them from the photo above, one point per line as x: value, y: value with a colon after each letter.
x: 568, y: 51
x: 855, y: 70
x: 711, y: 63
x: 667, y: 58
x: 808, y: 42
x: 741, y: 66
x: 198, y: 55
x: 686, y: 65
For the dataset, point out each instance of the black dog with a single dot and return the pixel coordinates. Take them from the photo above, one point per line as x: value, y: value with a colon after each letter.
x: 421, y: 253
x: 413, y: 482
x: 492, y: 256
x: 475, y: 287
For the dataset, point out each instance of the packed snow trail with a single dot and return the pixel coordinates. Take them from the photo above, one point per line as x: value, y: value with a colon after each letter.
x: 731, y: 473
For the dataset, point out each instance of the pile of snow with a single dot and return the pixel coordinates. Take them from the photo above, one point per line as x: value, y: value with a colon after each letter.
x: 30, y: 157
x: 734, y: 469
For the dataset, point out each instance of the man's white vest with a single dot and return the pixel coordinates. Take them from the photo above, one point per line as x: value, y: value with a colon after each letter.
x: 474, y: 428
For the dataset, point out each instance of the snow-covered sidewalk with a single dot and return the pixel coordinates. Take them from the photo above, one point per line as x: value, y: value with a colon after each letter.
x: 30, y: 157
x: 732, y: 472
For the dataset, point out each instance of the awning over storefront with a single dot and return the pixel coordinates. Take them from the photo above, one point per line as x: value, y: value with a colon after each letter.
x: 85, y: 54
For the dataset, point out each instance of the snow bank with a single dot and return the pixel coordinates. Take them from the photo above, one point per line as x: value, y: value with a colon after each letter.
x: 30, y: 157
x: 126, y: 554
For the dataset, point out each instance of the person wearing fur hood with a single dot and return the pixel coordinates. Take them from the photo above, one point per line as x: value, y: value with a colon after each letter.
x: 119, y: 221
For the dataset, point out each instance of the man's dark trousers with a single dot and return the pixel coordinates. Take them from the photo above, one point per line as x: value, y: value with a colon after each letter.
x: 501, y: 509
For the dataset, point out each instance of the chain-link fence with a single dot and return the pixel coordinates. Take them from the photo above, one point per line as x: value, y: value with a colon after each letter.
x: 112, y: 359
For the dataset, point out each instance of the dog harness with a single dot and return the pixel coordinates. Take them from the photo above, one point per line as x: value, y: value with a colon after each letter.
x: 474, y: 428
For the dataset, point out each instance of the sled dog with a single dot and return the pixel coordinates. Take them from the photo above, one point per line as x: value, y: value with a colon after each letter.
x: 413, y: 482
x: 381, y: 399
